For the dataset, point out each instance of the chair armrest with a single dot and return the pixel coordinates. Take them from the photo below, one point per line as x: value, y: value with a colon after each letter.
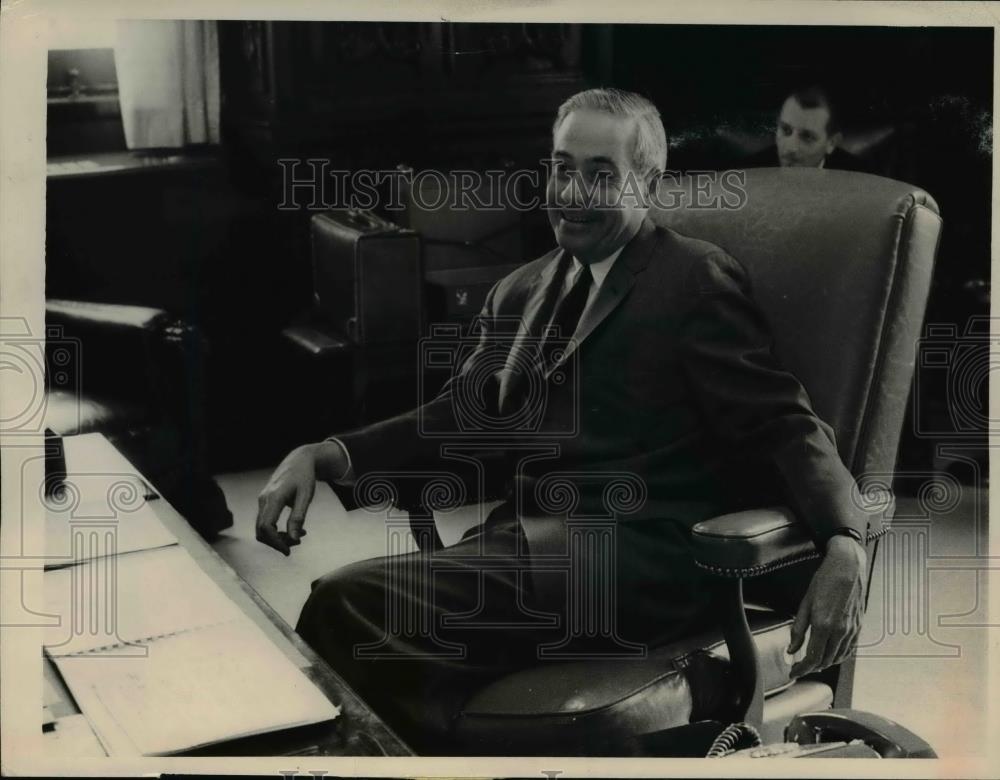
x: 317, y: 343
x: 116, y: 341
x: 758, y: 541
x: 745, y: 544
x: 131, y: 352
x: 85, y: 317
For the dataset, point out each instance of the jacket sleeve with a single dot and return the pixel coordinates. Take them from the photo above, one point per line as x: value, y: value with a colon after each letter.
x: 415, y: 436
x: 753, y: 404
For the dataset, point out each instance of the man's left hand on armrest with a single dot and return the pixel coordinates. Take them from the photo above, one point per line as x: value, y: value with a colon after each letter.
x: 832, y: 608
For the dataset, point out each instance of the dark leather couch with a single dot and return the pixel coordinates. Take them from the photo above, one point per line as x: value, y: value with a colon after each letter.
x: 138, y: 379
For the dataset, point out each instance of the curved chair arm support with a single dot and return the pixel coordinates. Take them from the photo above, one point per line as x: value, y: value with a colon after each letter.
x: 748, y: 544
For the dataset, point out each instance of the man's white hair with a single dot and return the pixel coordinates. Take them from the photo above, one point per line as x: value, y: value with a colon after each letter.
x: 649, y: 144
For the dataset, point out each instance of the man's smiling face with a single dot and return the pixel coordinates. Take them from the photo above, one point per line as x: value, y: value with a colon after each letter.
x: 594, y: 202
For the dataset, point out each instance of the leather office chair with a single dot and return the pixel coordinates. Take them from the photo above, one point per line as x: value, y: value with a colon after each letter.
x: 841, y: 265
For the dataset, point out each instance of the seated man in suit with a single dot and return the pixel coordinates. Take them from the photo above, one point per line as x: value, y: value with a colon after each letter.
x: 675, y: 386
x: 807, y: 135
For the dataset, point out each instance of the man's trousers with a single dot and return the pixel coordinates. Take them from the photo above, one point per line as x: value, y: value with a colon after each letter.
x: 417, y: 634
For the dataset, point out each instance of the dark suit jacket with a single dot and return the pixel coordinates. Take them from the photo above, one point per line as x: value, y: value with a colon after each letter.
x: 677, y: 384
x: 838, y: 160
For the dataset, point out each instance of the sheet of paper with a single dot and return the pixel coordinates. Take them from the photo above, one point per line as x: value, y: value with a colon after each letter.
x: 239, y: 683
x: 92, y: 529
x: 129, y: 598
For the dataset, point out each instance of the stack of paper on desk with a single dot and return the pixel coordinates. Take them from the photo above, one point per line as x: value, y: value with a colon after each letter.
x: 172, y: 664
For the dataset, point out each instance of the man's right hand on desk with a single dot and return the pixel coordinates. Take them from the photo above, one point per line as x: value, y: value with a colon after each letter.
x: 292, y: 484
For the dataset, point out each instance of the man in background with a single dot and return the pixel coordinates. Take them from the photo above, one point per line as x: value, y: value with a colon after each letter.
x: 808, y: 134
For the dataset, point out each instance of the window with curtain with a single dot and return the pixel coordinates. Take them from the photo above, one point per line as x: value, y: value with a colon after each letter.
x: 168, y: 82
x: 132, y: 84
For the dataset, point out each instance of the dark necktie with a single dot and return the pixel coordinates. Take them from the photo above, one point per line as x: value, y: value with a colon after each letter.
x: 570, y: 308
x: 565, y: 318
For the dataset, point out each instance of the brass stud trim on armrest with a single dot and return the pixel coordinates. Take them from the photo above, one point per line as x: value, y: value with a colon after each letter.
x: 766, y: 568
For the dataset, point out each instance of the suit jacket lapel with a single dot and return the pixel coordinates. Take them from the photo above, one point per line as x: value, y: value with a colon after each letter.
x: 617, y: 284
x: 523, y: 350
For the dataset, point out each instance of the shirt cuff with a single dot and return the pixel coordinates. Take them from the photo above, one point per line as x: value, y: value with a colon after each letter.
x: 850, y: 532
x: 347, y: 478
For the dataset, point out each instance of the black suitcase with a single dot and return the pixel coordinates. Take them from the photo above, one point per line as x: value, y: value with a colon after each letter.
x: 367, y: 277
x: 369, y: 288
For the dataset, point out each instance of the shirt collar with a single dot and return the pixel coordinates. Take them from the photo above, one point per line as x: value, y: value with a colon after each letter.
x: 599, y: 269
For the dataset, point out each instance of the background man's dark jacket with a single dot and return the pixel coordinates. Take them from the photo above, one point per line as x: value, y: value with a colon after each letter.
x: 838, y: 160
x: 676, y: 383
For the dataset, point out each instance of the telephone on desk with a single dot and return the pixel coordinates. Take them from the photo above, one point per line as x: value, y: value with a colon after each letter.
x: 828, y: 734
